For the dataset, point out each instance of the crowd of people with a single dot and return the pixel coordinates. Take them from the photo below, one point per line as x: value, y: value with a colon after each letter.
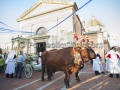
x: 14, y: 63
x: 2, y: 61
x: 112, y: 63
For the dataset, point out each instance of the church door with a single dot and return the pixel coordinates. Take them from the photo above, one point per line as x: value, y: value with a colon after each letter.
x: 41, y: 47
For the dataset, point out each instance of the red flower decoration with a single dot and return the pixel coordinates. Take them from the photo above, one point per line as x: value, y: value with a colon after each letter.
x: 75, y: 37
x: 82, y: 39
x: 87, y: 40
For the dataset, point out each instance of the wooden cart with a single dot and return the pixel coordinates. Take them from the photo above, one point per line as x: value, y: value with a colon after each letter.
x: 22, y: 44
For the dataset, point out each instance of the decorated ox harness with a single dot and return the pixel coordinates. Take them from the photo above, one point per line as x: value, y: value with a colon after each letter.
x: 77, y: 57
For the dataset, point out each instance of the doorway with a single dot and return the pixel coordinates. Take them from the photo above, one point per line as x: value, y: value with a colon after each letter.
x: 41, y: 47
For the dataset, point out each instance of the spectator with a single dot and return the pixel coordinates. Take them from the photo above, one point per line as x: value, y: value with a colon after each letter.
x: 37, y: 55
x: 1, y: 64
x: 40, y: 60
x: 5, y: 56
x: 19, y: 67
x: 10, y: 61
x: 1, y: 55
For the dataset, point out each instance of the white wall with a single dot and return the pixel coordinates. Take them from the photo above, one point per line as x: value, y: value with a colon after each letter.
x: 48, y: 21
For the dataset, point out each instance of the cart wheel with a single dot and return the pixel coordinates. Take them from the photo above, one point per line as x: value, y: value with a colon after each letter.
x: 28, y: 71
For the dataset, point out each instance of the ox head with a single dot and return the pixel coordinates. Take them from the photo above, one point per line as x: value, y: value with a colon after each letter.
x: 86, y: 53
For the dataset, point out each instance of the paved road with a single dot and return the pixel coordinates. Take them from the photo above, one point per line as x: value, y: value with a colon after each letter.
x: 88, y: 82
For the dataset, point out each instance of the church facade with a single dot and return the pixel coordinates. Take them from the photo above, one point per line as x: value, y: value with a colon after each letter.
x: 51, y: 25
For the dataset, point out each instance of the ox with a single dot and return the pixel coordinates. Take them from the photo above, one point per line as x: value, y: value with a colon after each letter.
x: 64, y: 60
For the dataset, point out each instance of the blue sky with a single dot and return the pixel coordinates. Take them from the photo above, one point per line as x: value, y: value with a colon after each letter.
x: 105, y: 11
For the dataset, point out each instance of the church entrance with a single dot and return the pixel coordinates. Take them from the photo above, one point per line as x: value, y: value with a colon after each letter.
x: 41, y: 46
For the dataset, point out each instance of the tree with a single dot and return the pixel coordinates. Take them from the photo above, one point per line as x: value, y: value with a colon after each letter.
x: 0, y: 50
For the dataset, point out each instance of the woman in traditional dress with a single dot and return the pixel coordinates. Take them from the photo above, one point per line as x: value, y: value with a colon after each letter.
x: 10, y: 61
x: 97, y: 64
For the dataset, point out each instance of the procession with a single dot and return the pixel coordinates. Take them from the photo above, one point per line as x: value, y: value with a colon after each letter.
x: 54, y: 49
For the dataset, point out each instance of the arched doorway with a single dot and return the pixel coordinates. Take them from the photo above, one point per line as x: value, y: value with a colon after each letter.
x: 41, y: 30
x: 41, y: 46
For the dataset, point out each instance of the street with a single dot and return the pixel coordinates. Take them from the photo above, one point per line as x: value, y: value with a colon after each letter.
x: 88, y: 81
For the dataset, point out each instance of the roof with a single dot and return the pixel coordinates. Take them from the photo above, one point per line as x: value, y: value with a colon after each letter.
x: 40, y: 2
x: 93, y: 22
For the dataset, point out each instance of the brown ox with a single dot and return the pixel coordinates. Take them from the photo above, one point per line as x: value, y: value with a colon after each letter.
x: 63, y: 60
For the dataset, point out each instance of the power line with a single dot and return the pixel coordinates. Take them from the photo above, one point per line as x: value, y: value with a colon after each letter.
x: 70, y: 15
x: 13, y: 31
x: 3, y: 29
x: 7, y: 25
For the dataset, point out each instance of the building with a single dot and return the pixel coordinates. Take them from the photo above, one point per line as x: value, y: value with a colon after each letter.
x: 95, y: 30
x: 45, y: 19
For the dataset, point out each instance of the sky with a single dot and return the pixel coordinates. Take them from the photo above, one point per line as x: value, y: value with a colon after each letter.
x: 105, y: 11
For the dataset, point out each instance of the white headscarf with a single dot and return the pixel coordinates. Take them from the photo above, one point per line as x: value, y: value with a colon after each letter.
x: 40, y: 53
x: 10, y: 56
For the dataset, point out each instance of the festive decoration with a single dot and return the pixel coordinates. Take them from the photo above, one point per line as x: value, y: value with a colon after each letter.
x: 77, y: 57
x: 86, y: 41
x: 78, y: 44
x: 75, y: 36
x: 82, y: 40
